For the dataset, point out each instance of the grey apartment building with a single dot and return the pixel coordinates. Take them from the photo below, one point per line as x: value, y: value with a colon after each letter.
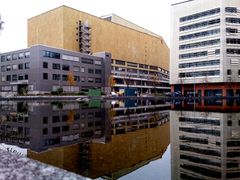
x: 205, y: 47
x: 41, y: 69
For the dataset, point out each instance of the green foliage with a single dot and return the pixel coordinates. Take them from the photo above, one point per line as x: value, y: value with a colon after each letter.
x: 59, y: 91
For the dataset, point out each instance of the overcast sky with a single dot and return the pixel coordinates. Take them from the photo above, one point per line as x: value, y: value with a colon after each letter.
x: 153, y: 15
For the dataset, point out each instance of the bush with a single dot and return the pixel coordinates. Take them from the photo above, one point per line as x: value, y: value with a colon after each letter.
x: 59, y: 91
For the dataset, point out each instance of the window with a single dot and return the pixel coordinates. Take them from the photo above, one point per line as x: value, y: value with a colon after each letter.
x: 8, y: 78
x: 231, y: 30
x: 3, y: 68
x: 199, y: 34
x: 193, y: 55
x: 132, y: 64
x: 239, y: 72
x: 56, y: 77
x: 3, y: 78
x: 76, y: 68
x: 200, y: 24
x: 200, y: 44
x: 45, y: 131
x: 14, y: 56
x: 9, y: 57
x: 45, y: 75
x: 26, y: 76
x: 64, y: 77
x: 233, y: 20
x: 200, y: 15
x: 153, y: 67
x: 14, y: 77
x: 120, y: 62
x: 14, y: 66
x: 233, y: 41
x: 56, y: 66
x: 65, y: 67
x: 229, y: 72
x: 229, y: 123
x: 82, y: 79
x: 55, y: 130
x: 98, y: 80
x: 233, y: 51
x: 50, y: 54
x: 87, y: 60
x: 3, y: 58
x: 45, y: 65
x: 98, y: 62
x: 90, y: 80
x: 20, y: 55
x: 77, y: 78
x: 27, y: 65
x: 200, y: 64
x: 70, y: 58
x: 9, y: 68
x: 231, y: 9
x: 98, y: 71
x: 27, y: 54
x: 82, y: 70
x: 55, y: 119
x: 45, y: 120
x: 20, y: 66
x: 90, y: 71
x: 199, y: 74
x: 20, y: 77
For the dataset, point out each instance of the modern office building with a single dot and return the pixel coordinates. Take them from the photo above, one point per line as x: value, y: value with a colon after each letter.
x: 204, y: 145
x: 140, y: 58
x: 205, y: 47
x: 41, y: 69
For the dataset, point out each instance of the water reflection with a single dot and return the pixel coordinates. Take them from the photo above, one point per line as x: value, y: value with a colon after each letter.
x: 93, y: 139
x: 205, y: 140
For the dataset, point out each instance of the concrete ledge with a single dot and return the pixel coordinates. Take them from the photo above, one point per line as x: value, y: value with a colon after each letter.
x: 13, y: 167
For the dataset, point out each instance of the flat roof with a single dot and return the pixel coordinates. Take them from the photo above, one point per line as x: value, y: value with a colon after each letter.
x: 181, y: 2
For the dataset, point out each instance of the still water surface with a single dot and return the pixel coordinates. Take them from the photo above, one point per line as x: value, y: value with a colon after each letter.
x: 127, y: 139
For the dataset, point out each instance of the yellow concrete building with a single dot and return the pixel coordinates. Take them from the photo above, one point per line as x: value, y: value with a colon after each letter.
x: 134, y: 50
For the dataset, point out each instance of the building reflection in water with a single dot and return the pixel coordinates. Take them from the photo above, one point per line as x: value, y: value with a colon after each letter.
x: 96, y: 139
x: 205, y: 140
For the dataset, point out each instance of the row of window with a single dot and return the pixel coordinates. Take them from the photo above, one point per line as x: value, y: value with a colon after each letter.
x: 200, y: 160
x: 200, y: 15
x: 231, y: 30
x: 199, y: 74
x: 64, y: 77
x: 55, y: 55
x: 200, y: 64
x: 200, y: 24
x: 200, y: 44
x: 233, y: 20
x: 119, y: 62
x: 200, y: 131
x: 199, y: 34
x: 233, y: 41
x: 233, y: 51
x: 199, y: 54
x: 67, y: 68
x: 15, y: 67
x: 199, y: 121
x: 15, y: 56
x: 231, y: 9
x: 14, y: 77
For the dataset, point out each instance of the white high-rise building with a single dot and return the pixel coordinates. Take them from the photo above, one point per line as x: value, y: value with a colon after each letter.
x: 205, y: 47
